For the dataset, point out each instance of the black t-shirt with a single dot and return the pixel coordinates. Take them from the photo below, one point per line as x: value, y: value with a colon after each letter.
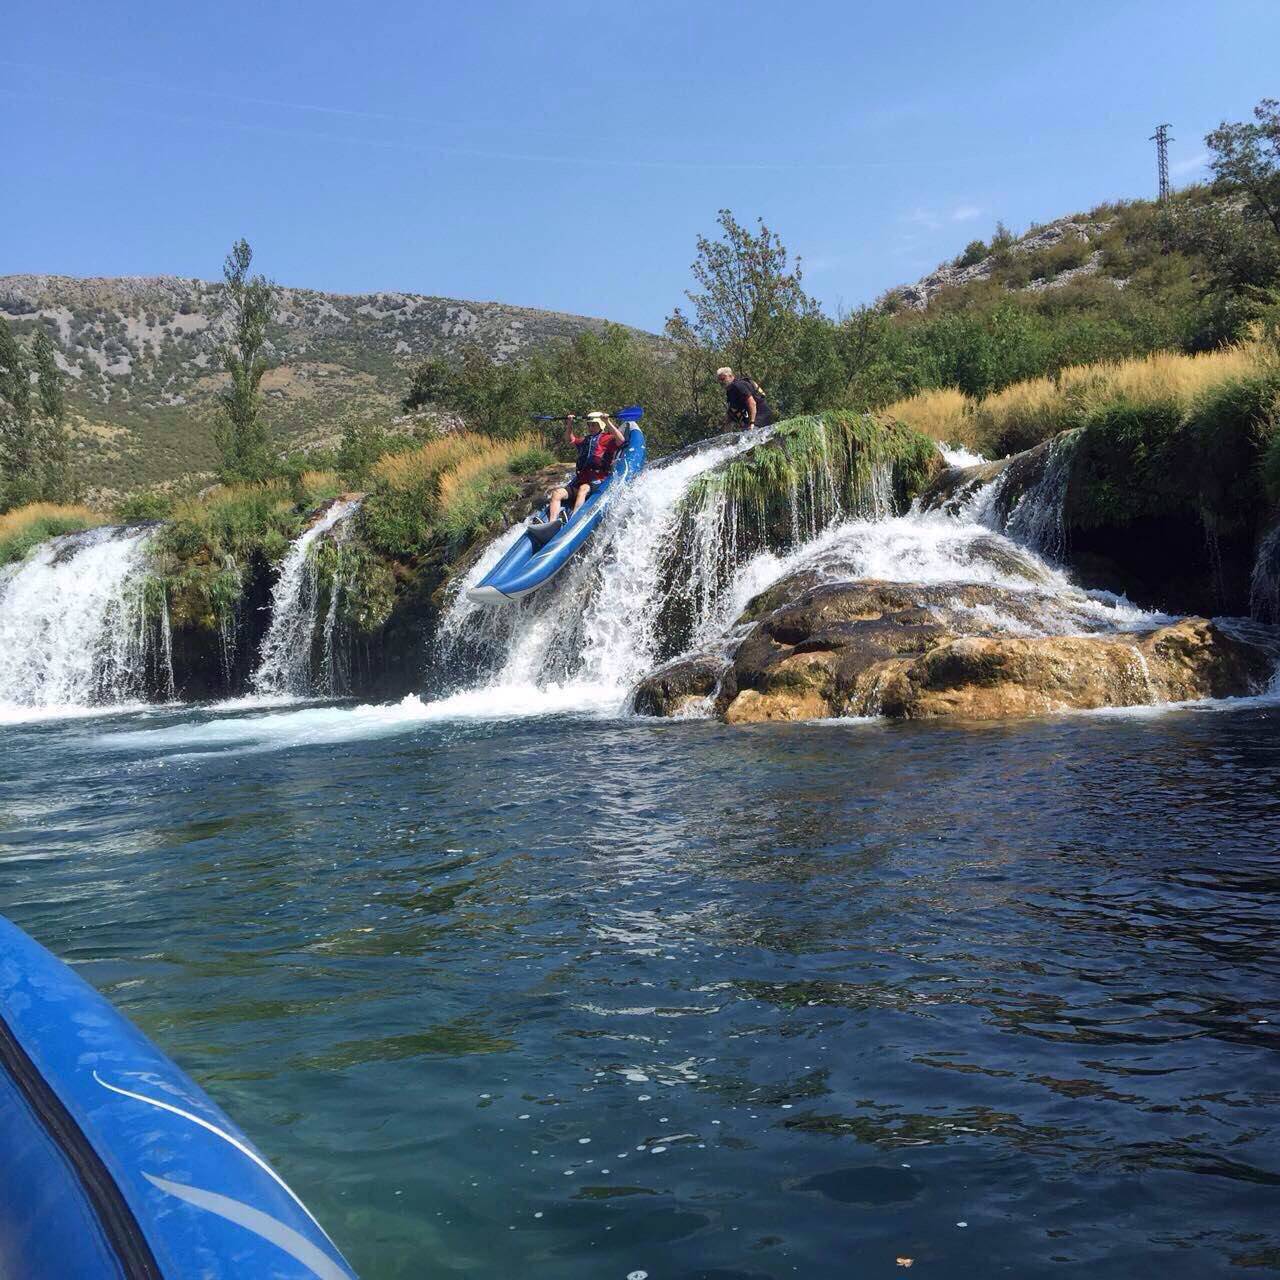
x: 736, y: 394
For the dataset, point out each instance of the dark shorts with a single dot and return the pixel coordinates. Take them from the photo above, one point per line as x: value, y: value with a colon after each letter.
x: 572, y: 486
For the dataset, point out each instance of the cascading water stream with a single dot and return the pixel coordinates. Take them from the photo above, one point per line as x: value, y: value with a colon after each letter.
x: 285, y: 663
x: 1264, y: 586
x: 674, y: 563
x: 594, y: 631
x: 74, y: 626
x: 1038, y: 518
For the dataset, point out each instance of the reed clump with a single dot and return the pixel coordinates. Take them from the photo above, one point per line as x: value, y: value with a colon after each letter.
x: 448, y: 491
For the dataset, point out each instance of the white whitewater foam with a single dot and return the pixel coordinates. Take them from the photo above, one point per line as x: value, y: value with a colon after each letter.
x: 284, y: 665
x: 330, y: 725
x: 956, y: 455
x: 934, y: 549
x: 73, y: 627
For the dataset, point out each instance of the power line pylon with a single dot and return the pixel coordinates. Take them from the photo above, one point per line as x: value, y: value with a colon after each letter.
x: 1161, y: 139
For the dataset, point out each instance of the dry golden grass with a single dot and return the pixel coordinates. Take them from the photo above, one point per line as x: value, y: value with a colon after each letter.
x: 1040, y: 407
x: 1165, y: 376
x: 942, y: 414
x: 489, y: 459
x: 424, y: 465
x: 20, y: 519
x: 24, y: 527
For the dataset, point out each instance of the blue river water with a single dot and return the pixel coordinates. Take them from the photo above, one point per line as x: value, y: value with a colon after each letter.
x: 588, y: 998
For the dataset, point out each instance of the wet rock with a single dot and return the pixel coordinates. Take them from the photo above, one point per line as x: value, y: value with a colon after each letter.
x: 911, y: 651
x: 675, y: 689
x: 953, y: 487
x: 994, y: 678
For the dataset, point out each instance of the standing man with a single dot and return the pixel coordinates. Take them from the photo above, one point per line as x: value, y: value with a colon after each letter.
x: 747, y: 405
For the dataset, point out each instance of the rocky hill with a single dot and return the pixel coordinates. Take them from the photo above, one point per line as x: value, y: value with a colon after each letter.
x: 142, y: 366
x: 1113, y: 245
x: 1057, y: 253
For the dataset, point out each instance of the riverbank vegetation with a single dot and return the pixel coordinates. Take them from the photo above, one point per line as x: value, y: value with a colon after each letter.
x: 819, y: 465
x: 25, y: 527
x: 1026, y: 413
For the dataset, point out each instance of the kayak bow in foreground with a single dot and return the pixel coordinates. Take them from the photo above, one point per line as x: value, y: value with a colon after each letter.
x: 115, y: 1163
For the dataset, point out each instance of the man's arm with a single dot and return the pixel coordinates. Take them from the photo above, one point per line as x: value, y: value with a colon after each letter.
x: 751, y: 411
x: 569, y: 423
x: 617, y: 432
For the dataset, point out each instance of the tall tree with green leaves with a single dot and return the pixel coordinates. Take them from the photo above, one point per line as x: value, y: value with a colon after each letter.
x: 54, y: 449
x: 34, y: 463
x: 242, y: 435
x: 750, y: 299
x: 1247, y: 155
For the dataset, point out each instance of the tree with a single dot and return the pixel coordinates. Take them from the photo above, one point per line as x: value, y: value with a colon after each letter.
x: 750, y: 302
x: 34, y: 465
x: 242, y: 434
x: 1247, y: 155
x: 434, y: 383
x: 362, y: 444
x: 55, y: 463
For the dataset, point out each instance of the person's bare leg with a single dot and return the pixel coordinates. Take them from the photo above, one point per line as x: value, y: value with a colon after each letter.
x: 557, y: 498
x: 581, y: 496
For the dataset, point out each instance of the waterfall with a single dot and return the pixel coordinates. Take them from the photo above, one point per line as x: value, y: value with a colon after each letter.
x: 75, y: 630
x: 1038, y: 518
x: 597, y: 626
x: 688, y: 543
x: 1264, y: 585
x: 285, y: 661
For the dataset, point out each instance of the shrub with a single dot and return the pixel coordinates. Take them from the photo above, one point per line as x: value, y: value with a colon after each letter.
x: 1025, y: 413
x: 144, y: 506
x: 314, y: 487
x: 233, y: 522
x: 974, y: 252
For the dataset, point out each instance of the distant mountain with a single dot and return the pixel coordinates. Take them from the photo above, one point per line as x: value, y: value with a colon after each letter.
x: 142, y: 366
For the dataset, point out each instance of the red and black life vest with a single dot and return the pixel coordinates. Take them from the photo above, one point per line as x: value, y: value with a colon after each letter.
x: 596, y: 453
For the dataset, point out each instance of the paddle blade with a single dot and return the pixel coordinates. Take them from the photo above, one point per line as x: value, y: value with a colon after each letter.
x: 632, y: 413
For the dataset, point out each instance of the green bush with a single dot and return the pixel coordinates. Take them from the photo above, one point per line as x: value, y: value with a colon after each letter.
x: 1217, y: 460
x: 144, y: 506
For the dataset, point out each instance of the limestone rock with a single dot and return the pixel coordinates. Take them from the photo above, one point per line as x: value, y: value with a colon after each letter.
x: 911, y: 651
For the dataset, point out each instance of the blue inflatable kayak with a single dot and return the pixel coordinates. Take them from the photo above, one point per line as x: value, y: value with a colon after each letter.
x: 531, y: 563
x: 114, y: 1163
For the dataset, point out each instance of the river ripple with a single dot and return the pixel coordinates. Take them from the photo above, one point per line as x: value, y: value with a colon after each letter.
x: 581, y: 999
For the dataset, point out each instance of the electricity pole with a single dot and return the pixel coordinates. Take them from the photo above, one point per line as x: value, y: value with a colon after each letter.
x: 1161, y: 139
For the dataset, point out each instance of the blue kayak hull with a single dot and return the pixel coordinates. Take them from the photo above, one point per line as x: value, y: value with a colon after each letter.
x: 528, y: 566
x: 115, y: 1163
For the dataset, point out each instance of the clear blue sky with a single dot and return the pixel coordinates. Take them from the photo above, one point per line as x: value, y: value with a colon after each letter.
x: 565, y: 154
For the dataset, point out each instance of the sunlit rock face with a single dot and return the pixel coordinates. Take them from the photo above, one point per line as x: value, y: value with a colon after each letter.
x: 920, y: 652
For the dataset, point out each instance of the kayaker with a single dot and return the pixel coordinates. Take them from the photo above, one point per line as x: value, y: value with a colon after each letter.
x: 745, y: 398
x: 597, y: 450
